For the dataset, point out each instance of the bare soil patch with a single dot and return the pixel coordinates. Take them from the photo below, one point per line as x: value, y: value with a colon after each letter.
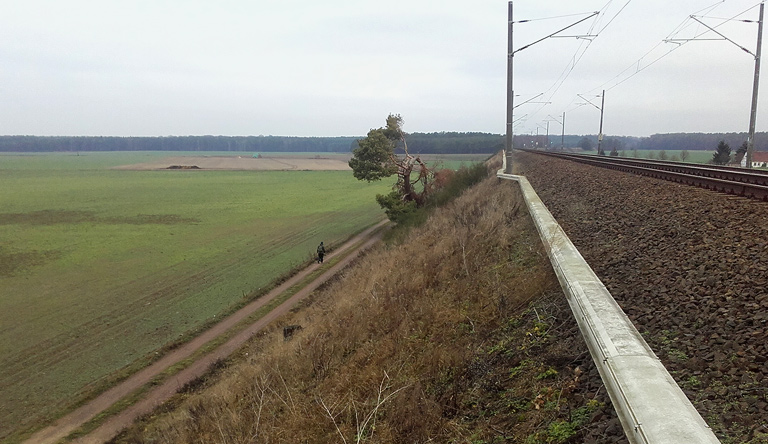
x: 12, y: 262
x: 244, y: 163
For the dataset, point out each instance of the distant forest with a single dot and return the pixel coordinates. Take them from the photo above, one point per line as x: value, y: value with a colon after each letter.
x: 673, y: 141
x: 418, y: 143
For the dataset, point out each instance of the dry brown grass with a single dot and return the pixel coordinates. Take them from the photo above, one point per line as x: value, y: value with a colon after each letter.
x: 451, y: 336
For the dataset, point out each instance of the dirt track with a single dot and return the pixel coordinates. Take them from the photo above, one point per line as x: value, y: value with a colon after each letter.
x: 246, y: 163
x: 71, y: 422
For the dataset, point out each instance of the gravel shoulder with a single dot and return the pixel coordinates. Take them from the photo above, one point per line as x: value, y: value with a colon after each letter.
x: 690, y: 269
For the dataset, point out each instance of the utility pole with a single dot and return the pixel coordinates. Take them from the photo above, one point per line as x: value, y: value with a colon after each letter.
x: 755, y: 84
x: 510, y: 87
x: 600, y: 135
x: 562, y: 124
x: 601, y: 107
x: 562, y: 136
x: 756, y: 80
x: 510, y: 92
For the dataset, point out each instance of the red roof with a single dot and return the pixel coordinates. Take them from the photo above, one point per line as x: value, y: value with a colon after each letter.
x: 760, y: 156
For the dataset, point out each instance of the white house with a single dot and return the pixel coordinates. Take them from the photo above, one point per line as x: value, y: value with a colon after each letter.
x: 759, y: 160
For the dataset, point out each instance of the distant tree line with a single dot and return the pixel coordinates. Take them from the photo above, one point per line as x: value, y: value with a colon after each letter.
x: 418, y: 143
x: 453, y: 142
x: 673, y: 141
x: 177, y: 143
x: 700, y: 141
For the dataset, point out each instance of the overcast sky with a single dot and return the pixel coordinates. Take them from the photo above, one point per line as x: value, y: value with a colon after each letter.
x: 338, y: 67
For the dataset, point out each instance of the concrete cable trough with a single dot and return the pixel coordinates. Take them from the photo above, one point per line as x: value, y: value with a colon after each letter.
x: 651, y: 406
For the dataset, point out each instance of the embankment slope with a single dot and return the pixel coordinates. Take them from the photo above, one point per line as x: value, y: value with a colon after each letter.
x: 460, y: 333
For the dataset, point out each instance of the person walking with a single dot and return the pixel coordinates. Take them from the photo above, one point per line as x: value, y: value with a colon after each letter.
x: 320, y: 253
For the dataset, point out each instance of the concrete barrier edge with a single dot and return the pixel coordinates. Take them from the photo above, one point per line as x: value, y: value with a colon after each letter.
x: 651, y: 406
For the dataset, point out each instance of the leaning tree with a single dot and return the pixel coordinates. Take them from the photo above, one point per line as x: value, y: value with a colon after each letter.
x: 377, y: 157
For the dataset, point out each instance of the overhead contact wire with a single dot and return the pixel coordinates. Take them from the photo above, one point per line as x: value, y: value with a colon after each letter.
x: 580, y: 53
x: 686, y: 23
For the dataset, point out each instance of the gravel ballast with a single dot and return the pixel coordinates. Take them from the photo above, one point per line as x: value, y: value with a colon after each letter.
x: 690, y: 269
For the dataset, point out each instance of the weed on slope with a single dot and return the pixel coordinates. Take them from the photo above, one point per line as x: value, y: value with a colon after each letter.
x: 458, y: 334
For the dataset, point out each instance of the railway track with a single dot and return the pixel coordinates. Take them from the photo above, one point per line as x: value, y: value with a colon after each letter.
x: 653, y: 412
x: 690, y: 270
x: 730, y: 180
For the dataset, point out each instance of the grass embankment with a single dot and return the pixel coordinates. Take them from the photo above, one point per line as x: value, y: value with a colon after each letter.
x: 99, y: 268
x: 457, y: 334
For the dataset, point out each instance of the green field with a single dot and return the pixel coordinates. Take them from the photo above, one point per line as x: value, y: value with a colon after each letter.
x: 674, y: 155
x: 101, y: 267
x: 453, y: 161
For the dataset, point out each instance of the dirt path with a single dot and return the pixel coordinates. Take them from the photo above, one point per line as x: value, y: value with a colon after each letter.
x: 69, y: 423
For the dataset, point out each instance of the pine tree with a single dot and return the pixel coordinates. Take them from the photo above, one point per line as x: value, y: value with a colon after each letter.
x: 723, y: 154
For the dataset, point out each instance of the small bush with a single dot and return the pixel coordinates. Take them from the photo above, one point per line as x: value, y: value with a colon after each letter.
x: 451, y: 185
x: 462, y: 179
x: 397, y: 210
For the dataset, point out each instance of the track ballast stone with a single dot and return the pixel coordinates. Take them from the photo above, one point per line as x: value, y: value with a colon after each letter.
x: 690, y: 269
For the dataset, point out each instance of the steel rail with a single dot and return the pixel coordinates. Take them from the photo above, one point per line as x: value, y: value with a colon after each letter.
x: 728, y: 180
x: 650, y: 405
x: 720, y: 171
x: 737, y: 174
